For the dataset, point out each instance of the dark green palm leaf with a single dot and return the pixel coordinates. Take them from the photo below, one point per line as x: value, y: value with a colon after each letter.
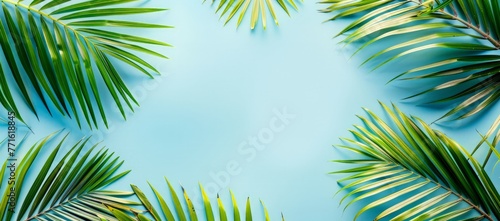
x: 67, y: 189
x: 182, y: 208
x: 55, y: 46
x: 415, y: 172
x: 468, y: 31
x: 230, y: 8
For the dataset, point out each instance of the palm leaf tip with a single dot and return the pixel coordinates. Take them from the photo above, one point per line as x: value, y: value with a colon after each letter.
x: 54, y: 46
x: 174, y: 207
x: 467, y: 31
x: 256, y: 8
x: 415, y: 172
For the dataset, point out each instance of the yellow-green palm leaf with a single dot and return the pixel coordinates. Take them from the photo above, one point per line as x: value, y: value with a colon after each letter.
x: 178, y: 206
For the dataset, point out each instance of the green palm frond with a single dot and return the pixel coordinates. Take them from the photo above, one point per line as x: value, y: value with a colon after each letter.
x: 67, y: 189
x: 233, y: 7
x: 184, y: 209
x: 61, y: 49
x: 468, y: 31
x: 415, y: 173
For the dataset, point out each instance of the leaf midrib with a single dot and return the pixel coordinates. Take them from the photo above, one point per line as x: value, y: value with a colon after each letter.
x: 496, y: 43
x: 40, y: 12
x: 43, y: 14
x: 462, y: 198
x: 61, y: 204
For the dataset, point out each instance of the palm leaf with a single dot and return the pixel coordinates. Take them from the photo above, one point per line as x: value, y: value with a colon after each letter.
x: 467, y: 31
x: 494, y: 132
x: 61, y: 50
x: 415, y: 172
x: 230, y: 8
x: 70, y: 188
x: 182, y: 208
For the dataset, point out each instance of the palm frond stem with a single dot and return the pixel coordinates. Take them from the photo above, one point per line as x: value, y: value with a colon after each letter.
x: 477, y: 208
x: 29, y: 8
x: 469, y: 24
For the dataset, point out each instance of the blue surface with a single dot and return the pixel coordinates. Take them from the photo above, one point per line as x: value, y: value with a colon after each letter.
x: 223, y: 86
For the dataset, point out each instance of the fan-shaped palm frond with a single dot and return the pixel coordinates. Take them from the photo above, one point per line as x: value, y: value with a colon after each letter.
x: 469, y: 31
x: 233, y: 7
x: 60, y: 49
x: 176, y: 210
x: 68, y: 189
x: 416, y: 172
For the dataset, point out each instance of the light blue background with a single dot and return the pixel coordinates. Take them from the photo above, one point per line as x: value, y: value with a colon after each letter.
x: 221, y: 86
